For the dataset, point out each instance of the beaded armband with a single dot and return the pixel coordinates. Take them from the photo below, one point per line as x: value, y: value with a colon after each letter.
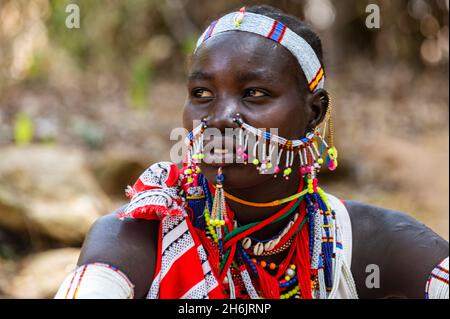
x: 437, y: 283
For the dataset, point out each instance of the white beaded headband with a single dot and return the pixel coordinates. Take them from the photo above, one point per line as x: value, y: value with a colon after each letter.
x: 276, y: 31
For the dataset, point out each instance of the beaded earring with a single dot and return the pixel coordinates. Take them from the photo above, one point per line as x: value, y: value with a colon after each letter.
x: 332, y: 154
x: 191, y: 173
x: 191, y: 168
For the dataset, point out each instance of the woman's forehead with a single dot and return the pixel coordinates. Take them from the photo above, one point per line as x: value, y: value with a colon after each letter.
x: 243, y: 51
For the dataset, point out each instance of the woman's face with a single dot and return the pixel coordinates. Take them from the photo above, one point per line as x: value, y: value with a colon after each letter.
x: 239, y: 72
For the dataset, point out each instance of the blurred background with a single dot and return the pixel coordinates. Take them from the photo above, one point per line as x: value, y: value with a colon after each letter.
x: 84, y: 111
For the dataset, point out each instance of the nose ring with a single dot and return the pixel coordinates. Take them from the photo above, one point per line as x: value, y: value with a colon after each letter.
x: 204, y: 121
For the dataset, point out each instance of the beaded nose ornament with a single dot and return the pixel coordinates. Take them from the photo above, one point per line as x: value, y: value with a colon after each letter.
x: 310, y: 149
x: 265, y: 150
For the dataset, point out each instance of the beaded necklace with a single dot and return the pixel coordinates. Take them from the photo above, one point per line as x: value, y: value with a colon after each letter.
x: 237, y: 262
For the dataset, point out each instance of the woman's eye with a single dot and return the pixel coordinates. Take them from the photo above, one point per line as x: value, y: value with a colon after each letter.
x: 254, y: 93
x: 202, y: 93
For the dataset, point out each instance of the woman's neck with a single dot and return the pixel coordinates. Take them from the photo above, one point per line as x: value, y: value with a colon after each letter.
x: 276, y: 189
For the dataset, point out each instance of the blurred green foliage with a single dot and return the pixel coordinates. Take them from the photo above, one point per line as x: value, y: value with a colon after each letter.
x: 116, y: 35
x: 125, y: 47
x: 140, y: 79
x: 90, y: 133
x: 23, y: 129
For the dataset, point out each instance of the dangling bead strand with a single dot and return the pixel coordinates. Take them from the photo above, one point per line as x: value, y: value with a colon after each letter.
x: 219, y: 210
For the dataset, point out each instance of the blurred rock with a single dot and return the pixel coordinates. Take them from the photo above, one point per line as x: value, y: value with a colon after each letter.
x: 41, y: 274
x: 116, y: 169
x: 13, y: 244
x: 49, y: 190
x: 405, y: 175
x: 7, y: 270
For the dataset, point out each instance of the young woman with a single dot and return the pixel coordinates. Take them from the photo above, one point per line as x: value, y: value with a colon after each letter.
x: 216, y: 229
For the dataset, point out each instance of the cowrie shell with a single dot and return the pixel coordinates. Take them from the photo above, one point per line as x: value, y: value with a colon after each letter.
x: 267, y: 246
x: 246, y: 243
x: 258, y: 249
x: 239, y: 18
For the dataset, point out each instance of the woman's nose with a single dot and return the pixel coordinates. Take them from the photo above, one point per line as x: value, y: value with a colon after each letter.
x: 222, y: 114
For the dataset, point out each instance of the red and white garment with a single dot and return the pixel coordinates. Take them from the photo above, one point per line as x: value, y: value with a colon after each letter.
x: 182, y: 269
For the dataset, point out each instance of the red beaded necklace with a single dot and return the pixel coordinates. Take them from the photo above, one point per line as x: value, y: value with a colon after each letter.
x: 297, y: 256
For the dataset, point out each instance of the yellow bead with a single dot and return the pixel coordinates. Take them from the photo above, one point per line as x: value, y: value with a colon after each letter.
x: 222, y: 223
x: 287, y: 278
x: 255, y: 161
x: 292, y: 267
x: 320, y: 161
x: 269, y: 165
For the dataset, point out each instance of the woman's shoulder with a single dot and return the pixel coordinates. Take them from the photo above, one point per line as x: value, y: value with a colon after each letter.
x: 395, y: 242
x: 387, y: 228
x: 130, y: 245
x: 368, y: 216
x: 371, y: 218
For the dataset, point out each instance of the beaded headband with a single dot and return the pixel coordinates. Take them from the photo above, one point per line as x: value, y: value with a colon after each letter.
x: 276, y: 31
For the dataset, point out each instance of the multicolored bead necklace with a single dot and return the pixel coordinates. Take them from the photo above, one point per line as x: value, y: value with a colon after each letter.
x: 319, y: 247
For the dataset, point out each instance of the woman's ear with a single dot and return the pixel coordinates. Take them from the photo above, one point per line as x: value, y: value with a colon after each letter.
x: 318, y: 103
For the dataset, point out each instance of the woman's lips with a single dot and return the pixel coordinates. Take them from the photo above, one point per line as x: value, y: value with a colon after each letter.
x: 219, y: 157
x: 220, y: 152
